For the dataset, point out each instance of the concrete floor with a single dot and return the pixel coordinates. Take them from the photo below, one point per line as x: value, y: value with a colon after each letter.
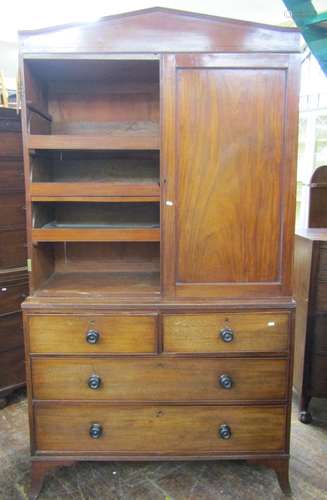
x: 165, y: 481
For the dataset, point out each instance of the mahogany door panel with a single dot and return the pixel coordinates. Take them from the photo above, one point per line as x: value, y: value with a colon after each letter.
x: 229, y: 205
x: 158, y: 429
x: 159, y: 379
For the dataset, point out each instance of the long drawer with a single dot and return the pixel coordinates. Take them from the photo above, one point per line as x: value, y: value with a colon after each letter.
x: 158, y: 429
x: 93, y: 334
x: 226, y: 333
x: 158, y: 379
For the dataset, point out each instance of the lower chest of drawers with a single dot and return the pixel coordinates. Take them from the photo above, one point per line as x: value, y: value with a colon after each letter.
x: 159, y: 384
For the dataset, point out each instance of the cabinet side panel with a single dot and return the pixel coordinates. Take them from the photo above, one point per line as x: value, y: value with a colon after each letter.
x: 302, y: 273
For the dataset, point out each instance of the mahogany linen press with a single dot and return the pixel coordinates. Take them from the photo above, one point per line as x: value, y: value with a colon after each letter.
x: 160, y: 155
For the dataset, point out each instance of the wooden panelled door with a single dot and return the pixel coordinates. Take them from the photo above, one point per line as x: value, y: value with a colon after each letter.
x: 225, y: 159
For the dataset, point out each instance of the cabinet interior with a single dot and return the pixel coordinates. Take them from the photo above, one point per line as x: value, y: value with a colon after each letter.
x: 89, y: 97
x: 95, y: 210
x: 77, y: 268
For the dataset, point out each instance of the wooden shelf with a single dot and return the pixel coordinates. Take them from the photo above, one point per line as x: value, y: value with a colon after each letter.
x: 104, y: 283
x: 56, y: 234
x: 95, y: 191
x: 93, y: 142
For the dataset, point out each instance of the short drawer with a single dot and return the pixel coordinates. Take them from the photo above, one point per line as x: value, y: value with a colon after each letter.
x: 321, y: 297
x: 319, y: 334
x: 159, y: 379
x: 12, y: 367
x: 226, y: 333
x: 158, y: 429
x: 11, y: 297
x: 93, y: 334
x: 318, y: 378
x: 322, y: 272
x: 11, y: 331
x: 13, y: 209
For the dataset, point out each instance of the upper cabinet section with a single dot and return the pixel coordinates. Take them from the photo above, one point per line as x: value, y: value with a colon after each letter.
x: 161, y: 30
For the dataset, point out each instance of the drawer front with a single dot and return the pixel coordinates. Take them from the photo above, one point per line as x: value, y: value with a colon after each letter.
x: 13, y: 209
x: 321, y: 300
x: 11, y: 175
x: 319, y: 337
x: 11, y: 297
x: 322, y: 273
x: 11, y: 331
x: 318, y: 379
x: 159, y: 379
x: 114, y: 334
x: 158, y: 429
x: 11, y: 145
x: 13, y: 248
x: 12, y: 367
x: 226, y: 333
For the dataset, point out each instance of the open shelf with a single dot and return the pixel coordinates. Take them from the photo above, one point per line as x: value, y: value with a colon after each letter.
x: 102, y: 283
x: 100, y: 104
x: 95, y: 222
x: 66, y: 268
x: 95, y: 191
x: 123, y: 141
x: 95, y: 234
x: 93, y: 134
x: 95, y: 176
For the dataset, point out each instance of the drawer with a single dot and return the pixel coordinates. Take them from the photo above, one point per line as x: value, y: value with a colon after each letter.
x: 73, y: 334
x: 321, y: 298
x: 11, y: 175
x: 322, y: 272
x: 319, y: 336
x: 13, y: 209
x: 11, y: 145
x: 13, y: 248
x: 226, y: 333
x: 159, y: 379
x: 11, y: 297
x: 158, y: 429
x: 12, y: 367
x: 11, y: 331
x: 318, y: 379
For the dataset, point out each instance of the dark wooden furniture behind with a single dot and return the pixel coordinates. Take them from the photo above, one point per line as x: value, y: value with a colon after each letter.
x: 13, y: 272
x: 310, y: 363
x: 160, y: 153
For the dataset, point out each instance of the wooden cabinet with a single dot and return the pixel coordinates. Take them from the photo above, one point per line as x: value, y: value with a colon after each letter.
x: 13, y: 273
x: 160, y: 155
x: 310, y: 362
